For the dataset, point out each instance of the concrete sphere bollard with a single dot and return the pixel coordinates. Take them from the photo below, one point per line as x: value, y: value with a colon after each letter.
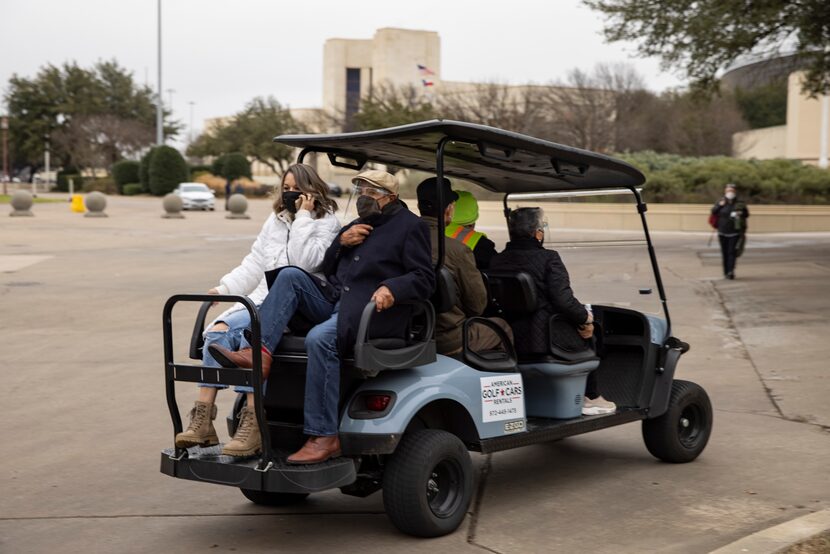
x: 172, y: 206
x: 237, y: 205
x: 95, y: 203
x: 21, y: 204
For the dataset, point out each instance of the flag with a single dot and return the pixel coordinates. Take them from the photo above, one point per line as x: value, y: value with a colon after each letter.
x: 424, y: 70
x: 427, y: 83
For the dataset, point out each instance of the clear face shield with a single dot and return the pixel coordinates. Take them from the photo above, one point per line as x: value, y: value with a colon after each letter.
x: 352, y: 211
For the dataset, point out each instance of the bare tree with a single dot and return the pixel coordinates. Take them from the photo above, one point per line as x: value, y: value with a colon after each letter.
x: 516, y: 109
x: 98, y: 141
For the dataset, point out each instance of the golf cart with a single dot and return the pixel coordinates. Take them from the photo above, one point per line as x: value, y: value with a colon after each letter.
x: 409, y: 416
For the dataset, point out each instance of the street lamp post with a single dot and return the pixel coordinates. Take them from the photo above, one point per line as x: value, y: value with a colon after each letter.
x: 4, y: 124
x: 159, y: 122
x: 190, y: 129
x: 825, y: 121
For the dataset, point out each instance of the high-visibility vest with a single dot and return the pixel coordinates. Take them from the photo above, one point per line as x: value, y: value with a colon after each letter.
x: 469, y: 237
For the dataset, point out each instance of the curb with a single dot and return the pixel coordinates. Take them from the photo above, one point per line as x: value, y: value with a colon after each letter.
x: 776, y: 539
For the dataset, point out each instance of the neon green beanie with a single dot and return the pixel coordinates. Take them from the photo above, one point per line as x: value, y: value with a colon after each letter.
x: 466, y: 208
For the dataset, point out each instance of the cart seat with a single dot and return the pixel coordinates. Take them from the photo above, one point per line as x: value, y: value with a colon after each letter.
x: 296, y: 344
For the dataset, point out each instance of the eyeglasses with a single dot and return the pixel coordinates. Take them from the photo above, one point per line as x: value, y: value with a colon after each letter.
x: 369, y: 190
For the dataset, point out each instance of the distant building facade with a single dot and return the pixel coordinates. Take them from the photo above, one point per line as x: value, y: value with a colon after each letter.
x: 799, y: 138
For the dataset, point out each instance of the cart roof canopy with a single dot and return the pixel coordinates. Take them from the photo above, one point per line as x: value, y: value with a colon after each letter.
x: 498, y: 160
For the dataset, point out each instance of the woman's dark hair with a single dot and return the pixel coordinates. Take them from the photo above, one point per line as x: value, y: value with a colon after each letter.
x: 308, y: 182
x: 524, y: 222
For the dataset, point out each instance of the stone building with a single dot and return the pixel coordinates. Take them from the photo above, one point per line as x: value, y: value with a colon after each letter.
x: 800, y: 137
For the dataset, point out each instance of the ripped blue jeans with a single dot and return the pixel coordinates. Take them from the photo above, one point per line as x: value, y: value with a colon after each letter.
x: 231, y: 339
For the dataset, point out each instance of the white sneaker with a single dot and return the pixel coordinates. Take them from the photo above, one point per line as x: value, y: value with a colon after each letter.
x: 598, y: 406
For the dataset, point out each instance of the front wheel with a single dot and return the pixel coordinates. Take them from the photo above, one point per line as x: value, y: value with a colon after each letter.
x: 265, y: 498
x: 428, y: 483
x: 681, y: 434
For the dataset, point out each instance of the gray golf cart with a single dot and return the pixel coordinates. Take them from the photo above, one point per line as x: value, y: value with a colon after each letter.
x: 408, y: 415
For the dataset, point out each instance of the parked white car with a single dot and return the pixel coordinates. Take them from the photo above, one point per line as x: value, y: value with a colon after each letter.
x: 196, y: 196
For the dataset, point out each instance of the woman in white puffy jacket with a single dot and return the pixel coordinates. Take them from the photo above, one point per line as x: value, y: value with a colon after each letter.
x: 298, y: 233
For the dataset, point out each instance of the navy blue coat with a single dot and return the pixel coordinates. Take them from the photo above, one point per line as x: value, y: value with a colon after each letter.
x: 397, y: 253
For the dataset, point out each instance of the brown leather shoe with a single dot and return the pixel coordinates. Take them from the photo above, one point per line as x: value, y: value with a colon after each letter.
x: 243, y: 358
x: 316, y: 450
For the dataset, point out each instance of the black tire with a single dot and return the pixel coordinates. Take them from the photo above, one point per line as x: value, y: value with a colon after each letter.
x: 681, y: 434
x: 428, y: 483
x: 265, y: 498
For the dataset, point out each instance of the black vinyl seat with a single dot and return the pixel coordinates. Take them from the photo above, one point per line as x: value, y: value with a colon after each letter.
x: 514, y: 295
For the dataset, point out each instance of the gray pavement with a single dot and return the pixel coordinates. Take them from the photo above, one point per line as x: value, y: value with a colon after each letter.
x: 85, y: 414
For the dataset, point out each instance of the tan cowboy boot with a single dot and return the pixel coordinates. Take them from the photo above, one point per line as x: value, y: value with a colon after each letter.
x: 316, y: 450
x: 247, y: 440
x: 200, y: 431
x: 243, y: 358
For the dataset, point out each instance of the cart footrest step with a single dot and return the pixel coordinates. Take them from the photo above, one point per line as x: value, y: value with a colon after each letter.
x: 211, y: 466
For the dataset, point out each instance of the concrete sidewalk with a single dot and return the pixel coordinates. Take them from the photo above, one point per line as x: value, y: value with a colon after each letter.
x: 86, y: 416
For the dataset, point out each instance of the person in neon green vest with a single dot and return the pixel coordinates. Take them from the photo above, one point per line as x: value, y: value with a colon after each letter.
x: 463, y: 228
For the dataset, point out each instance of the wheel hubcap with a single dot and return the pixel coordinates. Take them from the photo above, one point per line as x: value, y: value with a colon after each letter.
x: 691, y: 425
x: 444, y: 488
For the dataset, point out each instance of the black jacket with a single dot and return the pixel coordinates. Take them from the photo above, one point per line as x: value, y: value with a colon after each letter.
x: 728, y: 225
x: 397, y: 253
x: 484, y: 251
x: 554, y: 294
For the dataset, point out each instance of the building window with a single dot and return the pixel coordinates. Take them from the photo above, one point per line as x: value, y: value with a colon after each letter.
x: 352, y: 95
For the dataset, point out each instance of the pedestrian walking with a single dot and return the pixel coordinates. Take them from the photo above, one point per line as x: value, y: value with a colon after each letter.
x: 729, y: 215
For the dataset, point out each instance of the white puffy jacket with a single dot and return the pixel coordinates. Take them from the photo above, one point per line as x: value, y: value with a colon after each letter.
x: 280, y: 242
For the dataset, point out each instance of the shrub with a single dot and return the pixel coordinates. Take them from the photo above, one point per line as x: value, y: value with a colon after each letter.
x: 236, y: 166
x: 125, y: 171
x: 199, y: 168
x: 63, y: 179
x: 218, y: 166
x: 671, y: 178
x: 249, y: 188
x: 131, y: 189
x: 105, y: 185
x: 167, y: 170
x: 144, y: 169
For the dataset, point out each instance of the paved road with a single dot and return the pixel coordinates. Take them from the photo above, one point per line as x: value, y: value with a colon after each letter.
x: 85, y: 417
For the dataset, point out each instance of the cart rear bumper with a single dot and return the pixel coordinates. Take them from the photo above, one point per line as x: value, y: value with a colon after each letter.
x: 210, y: 466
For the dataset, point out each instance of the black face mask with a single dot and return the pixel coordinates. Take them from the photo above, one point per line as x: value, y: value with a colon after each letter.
x: 367, y: 208
x: 289, y: 200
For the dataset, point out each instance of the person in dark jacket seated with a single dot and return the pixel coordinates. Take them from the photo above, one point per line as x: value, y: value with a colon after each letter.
x: 526, y: 253
x: 460, y: 260
x: 383, y: 256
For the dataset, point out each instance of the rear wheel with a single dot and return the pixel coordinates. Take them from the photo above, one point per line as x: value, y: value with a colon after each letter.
x: 428, y: 483
x: 265, y: 498
x: 681, y: 434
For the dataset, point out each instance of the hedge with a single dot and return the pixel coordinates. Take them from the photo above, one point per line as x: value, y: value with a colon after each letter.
x: 144, y: 169
x: 63, y: 180
x: 671, y: 178
x: 131, y: 189
x: 105, y: 185
x: 125, y: 171
x: 167, y: 170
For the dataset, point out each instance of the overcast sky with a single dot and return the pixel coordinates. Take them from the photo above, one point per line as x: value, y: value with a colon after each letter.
x: 221, y: 53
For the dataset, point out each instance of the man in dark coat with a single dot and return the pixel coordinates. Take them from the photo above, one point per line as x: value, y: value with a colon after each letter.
x: 526, y: 253
x: 731, y: 214
x: 460, y: 261
x: 383, y: 256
